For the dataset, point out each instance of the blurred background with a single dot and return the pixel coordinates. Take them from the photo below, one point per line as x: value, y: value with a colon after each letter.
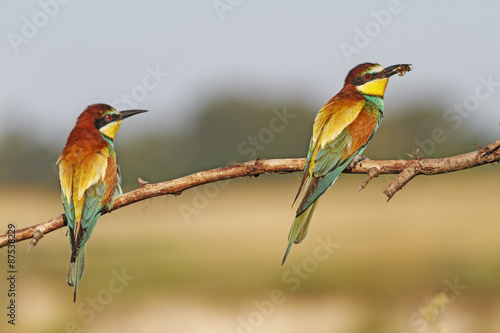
x: 233, y: 80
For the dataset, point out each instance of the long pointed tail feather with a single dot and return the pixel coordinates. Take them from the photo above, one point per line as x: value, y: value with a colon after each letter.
x: 75, y: 271
x: 299, y: 229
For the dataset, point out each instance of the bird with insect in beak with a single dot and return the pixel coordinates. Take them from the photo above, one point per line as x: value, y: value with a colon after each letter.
x: 342, y: 129
x: 89, y: 176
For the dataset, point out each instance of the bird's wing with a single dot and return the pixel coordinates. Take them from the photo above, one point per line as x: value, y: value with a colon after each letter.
x: 341, y: 138
x: 66, y: 181
x: 92, y: 210
x: 331, y: 120
x: 97, y: 198
x: 91, y: 171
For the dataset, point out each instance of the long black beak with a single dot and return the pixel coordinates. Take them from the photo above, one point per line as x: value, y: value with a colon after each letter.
x: 128, y: 113
x: 400, y: 69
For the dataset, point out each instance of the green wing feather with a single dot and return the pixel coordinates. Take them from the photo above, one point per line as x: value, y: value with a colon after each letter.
x: 329, y: 124
x: 327, y: 146
x: 92, y: 210
x: 328, y: 165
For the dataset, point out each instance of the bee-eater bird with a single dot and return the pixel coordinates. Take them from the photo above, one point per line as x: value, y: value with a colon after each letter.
x: 89, y: 176
x: 341, y: 130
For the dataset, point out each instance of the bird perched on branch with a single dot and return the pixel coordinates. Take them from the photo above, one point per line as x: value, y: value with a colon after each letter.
x: 341, y: 130
x: 89, y: 177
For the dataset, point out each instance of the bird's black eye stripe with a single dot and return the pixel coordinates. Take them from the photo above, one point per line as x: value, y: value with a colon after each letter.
x: 101, y: 122
x: 366, y: 77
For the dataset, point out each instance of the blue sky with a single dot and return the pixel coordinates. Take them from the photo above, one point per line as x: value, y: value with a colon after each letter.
x: 171, y: 57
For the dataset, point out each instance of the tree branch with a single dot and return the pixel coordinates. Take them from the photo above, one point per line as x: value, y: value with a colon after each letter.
x: 406, y: 170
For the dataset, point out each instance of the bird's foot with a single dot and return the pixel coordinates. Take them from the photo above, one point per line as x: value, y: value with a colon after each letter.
x: 37, y: 235
x: 356, y: 159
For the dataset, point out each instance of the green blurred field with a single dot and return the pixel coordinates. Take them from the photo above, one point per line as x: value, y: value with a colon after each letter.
x: 215, y: 270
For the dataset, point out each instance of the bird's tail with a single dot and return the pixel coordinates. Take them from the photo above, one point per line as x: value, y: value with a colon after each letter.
x: 75, y: 270
x: 299, y: 228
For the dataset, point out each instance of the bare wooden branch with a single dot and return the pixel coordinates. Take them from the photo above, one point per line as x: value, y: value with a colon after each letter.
x: 406, y: 170
x: 370, y: 174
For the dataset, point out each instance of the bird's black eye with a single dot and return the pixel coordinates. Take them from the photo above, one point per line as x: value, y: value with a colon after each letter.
x: 368, y: 76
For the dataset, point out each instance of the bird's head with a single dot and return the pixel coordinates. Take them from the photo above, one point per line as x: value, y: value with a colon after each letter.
x: 104, y: 118
x: 108, y: 120
x: 371, y: 79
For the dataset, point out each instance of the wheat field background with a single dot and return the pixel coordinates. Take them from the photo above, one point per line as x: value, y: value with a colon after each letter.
x: 219, y: 270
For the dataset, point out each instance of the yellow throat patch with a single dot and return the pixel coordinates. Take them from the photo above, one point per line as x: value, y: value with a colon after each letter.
x: 110, y: 129
x: 374, y: 88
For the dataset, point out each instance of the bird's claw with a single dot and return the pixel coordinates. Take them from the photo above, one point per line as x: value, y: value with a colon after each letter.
x: 356, y: 159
